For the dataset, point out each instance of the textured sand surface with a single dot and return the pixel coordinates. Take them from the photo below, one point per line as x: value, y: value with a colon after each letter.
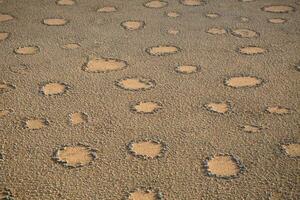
x: 149, y: 99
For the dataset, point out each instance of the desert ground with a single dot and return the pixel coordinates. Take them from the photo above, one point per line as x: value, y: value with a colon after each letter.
x: 149, y: 99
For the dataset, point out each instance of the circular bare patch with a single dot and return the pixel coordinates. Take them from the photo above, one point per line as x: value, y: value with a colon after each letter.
x: 98, y: 65
x: 251, y: 50
x: 3, y: 36
x: 251, y: 129
x: 292, y: 150
x: 221, y: 107
x: 173, y: 14
x: 147, y: 149
x: 277, y: 20
x: 244, y: 33
x: 35, y: 124
x: 28, y: 50
x: 223, y: 166
x: 5, y: 194
x: 162, y: 50
x: 133, y: 25
x: 5, y: 87
x: 78, y: 118
x: 243, y: 81
x: 212, y: 15
x: 144, y: 194
x: 65, y: 2
x: 75, y: 156
x: 107, y: 9
x: 216, y: 31
x: 187, y: 69
x: 193, y: 2
x: 70, y: 46
x: 4, y: 113
x: 156, y: 4
x: 278, y: 110
x: 173, y: 31
x: 278, y: 8
x: 275, y: 196
x: 55, y: 22
x: 135, y: 83
x: 146, y: 107
x: 49, y: 89
x: 5, y: 17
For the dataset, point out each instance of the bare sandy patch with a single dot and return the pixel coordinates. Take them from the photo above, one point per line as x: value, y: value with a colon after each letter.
x: 78, y: 118
x: 107, y: 9
x: 276, y: 196
x: 28, y: 50
x: 223, y: 166
x: 102, y: 65
x: 146, y: 107
x: 4, y: 113
x: 173, y: 31
x: 221, y: 107
x: 193, y: 2
x: 243, y: 81
x: 65, y: 2
x: 277, y: 20
x: 35, y: 124
x: 173, y: 14
x: 278, y: 8
x: 71, y: 46
x: 5, y: 17
x: 133, y: 25
x: 278, y: 110
x: 3, y: 36
x: 6, y: 87
x: 292, y: 150
x: 216, y: 31
x: 212, y: 15
x: 162, y: 50
x: 75, y: 156
x: 147, y: 149
x: 135, y: 83
x: 187, y: 69
x: 251, y: 50
x: 54, y: 88
x: 144, y: 194
x: 55, y: 22
x: 156, y: 4
x: 244, y: 33
x: 251, y: 129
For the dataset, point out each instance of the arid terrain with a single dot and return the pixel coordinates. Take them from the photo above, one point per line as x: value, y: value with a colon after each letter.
x: 149, y: 99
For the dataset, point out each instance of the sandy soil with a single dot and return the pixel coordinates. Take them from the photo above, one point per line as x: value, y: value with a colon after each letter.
x: 149, y: 100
